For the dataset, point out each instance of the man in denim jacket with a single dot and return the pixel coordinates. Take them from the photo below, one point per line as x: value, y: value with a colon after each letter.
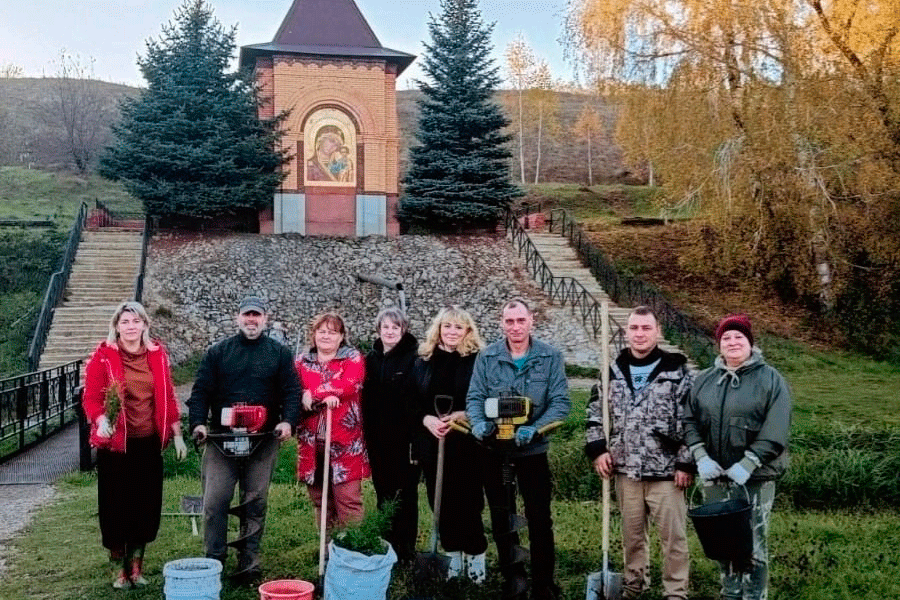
x: 521, y: 365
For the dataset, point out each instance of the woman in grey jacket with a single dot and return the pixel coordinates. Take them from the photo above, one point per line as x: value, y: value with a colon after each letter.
x: 737, y: 423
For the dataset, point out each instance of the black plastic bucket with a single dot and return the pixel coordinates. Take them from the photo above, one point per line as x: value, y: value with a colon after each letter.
x: 724, y: 529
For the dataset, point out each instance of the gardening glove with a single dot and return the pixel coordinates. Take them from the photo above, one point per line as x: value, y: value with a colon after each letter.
x: 199, y: 434
x: 709, y: 469
x: 740, y: 471
x: 104, y: 429
x: 180, y: 447
x: 483, y: 429
x: 525, y: 434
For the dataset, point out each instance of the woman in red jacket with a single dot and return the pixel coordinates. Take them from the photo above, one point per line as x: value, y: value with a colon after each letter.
x: 332, y: 374
x: 130, y: 403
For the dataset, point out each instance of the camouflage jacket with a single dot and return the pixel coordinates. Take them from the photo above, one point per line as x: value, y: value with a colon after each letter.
x: 647, y: 436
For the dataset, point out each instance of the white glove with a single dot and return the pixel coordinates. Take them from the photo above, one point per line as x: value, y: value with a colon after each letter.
x: 180, y: 447
x: 283, y: 431
x: 200, y: 433
x: 708, y: 469
x: 104, y: 429
x: 738, y: 473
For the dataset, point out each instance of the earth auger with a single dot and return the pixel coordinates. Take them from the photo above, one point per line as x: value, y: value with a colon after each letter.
x: 508, y: 413
x: 239, y: 444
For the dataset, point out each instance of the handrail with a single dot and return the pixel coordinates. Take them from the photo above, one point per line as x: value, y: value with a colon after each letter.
x: 55, y: 289
x: 142, y: 265
x: 35, y: 405
x: 565, y: 290
x: 690, y: 337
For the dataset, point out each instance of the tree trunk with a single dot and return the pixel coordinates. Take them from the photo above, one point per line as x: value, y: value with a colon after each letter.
x: 537, y: 162
x: 521, y: 140
x: 590, y: 163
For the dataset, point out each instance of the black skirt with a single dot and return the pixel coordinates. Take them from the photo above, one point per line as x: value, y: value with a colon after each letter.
x: 129, y: 493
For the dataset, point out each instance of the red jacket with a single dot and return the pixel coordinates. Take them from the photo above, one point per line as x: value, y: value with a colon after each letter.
x: 105, y: 367
x: 342, y: 377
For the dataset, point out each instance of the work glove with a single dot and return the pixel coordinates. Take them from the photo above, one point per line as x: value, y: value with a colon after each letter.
x: 708, y: 469
x: 740, y: 471
x: 738, y: 474
x: 104, y: 429
x: 180, y: 447
x: 483, y: 430
x: 199, y: 434
x: 525, y: 434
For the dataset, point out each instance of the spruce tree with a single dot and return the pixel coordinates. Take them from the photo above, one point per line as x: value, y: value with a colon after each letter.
x: 191, y: 144
x: 459, y: 171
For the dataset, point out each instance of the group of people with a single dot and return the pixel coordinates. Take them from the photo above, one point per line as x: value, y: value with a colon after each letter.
x: 728, y: 425
x: 384, y: 415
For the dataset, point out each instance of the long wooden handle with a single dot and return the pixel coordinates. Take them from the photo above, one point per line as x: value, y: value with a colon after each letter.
x: 326, y: 480
x: 604, y: 401
x: 438, y: 492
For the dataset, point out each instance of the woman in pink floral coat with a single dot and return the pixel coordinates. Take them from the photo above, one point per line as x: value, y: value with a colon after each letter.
x: 332, y: 374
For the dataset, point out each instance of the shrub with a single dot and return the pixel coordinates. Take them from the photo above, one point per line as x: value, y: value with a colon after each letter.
x: 367, y: 536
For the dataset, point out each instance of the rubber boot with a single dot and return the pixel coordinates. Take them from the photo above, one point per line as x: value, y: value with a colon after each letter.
x: 457, y: 564
x: 122, y: 572
x: 121, y: 581
x: 137, y: 567
x: 476, y: 569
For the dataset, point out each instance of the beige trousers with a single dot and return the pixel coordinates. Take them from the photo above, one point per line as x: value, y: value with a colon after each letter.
x: 663, y: 503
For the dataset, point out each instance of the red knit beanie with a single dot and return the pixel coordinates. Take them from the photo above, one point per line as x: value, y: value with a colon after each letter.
x: 738, y: 322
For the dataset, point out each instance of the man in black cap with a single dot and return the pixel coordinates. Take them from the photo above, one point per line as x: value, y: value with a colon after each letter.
x: 252, y: 369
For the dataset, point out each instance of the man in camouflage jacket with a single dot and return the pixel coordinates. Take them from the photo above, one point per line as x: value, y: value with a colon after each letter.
x: 646, y: 453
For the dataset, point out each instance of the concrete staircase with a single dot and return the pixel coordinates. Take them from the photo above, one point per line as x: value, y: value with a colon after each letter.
x: 103, y: 275
x: 563, y: 261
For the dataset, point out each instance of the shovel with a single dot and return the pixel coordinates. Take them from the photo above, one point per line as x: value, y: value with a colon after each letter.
x: 431, y: 564
x: 323, y: 516
x: 605, y: 584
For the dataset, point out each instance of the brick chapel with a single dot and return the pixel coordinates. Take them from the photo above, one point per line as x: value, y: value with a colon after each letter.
x: 327, y: 67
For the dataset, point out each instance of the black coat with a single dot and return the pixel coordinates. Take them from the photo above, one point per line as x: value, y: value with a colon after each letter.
x: 385, y: 404
x: 445, y: 373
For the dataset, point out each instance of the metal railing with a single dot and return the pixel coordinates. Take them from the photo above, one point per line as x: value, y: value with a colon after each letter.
x: 55, y: 290
x: 567, y: 291
x: 36, y: 405
x: 142, y: 265
x: 679, y: 328
x: 104, y: 216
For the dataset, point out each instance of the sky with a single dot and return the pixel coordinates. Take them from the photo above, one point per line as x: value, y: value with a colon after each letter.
x: 112, y: 33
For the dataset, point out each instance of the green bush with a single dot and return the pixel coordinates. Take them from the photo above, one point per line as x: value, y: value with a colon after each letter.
x: 367, y: 536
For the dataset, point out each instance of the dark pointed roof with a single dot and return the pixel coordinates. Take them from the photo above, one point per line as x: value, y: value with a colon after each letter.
x: 328, y: 28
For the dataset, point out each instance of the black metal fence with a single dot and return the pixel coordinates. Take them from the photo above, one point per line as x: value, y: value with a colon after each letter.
x: 679, y: 328
x: 55, y: 290
x: 567, y: 291
x: 36, y: 405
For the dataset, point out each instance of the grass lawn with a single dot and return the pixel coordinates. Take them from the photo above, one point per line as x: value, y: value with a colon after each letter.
x: 815, y: 554
x: 32, y: 194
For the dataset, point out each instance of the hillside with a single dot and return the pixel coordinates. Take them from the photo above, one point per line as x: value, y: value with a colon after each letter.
x: 30, y: 132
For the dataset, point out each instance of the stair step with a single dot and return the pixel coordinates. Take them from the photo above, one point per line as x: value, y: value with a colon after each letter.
x: 563, y: 261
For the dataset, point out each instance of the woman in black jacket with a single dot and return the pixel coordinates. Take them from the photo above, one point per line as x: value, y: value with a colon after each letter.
x: 387, y: 426
x: 444, y: 368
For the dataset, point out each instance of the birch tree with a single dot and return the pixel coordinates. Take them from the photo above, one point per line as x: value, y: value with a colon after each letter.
x: 587, y: 127
x: 519, y: 65
x: 781, y: 121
